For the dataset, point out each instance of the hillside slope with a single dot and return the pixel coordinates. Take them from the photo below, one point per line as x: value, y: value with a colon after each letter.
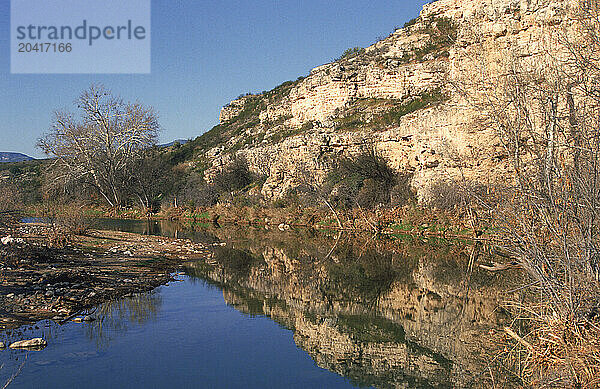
x: 400, y: 95
x: 13, y: 157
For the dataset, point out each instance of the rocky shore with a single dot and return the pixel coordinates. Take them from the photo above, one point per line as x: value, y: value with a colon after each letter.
x: 39, y: 282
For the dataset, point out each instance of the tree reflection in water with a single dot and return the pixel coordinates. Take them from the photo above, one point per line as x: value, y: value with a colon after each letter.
x: 115, y: 316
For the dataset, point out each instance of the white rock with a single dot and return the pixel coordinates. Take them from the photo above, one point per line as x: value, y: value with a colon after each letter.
x: 2, y: 345
x: 7, y: 240
x: 30, y: 343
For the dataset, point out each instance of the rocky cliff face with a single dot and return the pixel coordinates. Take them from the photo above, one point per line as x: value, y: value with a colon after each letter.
x: 400, y: 95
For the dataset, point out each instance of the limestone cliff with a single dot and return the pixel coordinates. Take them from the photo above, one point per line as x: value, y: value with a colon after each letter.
x: 400, y: 95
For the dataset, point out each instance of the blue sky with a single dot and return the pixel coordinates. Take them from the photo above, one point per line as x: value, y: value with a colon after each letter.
x: 204, y: 54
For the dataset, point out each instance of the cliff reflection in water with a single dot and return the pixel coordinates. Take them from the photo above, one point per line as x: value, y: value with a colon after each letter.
x: 382, y: 313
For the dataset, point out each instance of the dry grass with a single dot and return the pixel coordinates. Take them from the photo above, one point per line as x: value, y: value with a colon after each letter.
x: 549, y: 351
x: 65, y: 222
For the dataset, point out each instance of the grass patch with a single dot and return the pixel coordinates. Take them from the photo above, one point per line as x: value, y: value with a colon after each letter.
x: 424, y: 100
x: 279, y: 136
x: 387, y: 112
x: 442, y: 32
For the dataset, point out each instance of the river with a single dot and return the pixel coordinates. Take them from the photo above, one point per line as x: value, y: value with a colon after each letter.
x: 297, y: 308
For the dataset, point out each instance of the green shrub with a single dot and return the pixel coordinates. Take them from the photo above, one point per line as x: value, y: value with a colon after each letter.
x: 442, y: 33
x: 234, y: 177
x: 412, y: 22
x: 281, y: 135
x: 351, y: 52
x: 27, y: 176
x: 366, y: 180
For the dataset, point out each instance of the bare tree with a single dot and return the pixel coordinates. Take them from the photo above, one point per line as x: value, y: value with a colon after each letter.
x: 545, y: 109
x: 97, y: 148
x: 152, y: 179
x: 547, y: 116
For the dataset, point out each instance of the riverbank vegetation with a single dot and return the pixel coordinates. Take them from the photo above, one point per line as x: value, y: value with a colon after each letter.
x: 545, y: 110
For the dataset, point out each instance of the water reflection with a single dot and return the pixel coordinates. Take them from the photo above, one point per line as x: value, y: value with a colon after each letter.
x: 112, y: 320
x: 144, y: 227
x: 382, y: 313
x: 114, y: 317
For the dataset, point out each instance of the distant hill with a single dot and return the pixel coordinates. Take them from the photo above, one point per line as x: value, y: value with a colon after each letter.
x: 180, y: 141
x: 14, y: 157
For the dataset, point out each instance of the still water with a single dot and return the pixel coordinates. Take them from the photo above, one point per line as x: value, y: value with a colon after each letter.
x: 285, y: 309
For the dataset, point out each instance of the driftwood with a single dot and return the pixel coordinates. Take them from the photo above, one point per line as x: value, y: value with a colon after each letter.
x: 516, y: 337
x: 501, y: 266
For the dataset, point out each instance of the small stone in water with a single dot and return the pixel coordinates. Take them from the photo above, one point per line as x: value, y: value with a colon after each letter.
x: 31, y: 343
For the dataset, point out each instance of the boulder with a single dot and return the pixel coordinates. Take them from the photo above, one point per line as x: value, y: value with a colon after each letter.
x: 30, y: 343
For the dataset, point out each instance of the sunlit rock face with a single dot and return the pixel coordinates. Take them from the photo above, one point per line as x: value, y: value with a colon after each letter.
x: 435, y: 60
x: 379, y: 314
